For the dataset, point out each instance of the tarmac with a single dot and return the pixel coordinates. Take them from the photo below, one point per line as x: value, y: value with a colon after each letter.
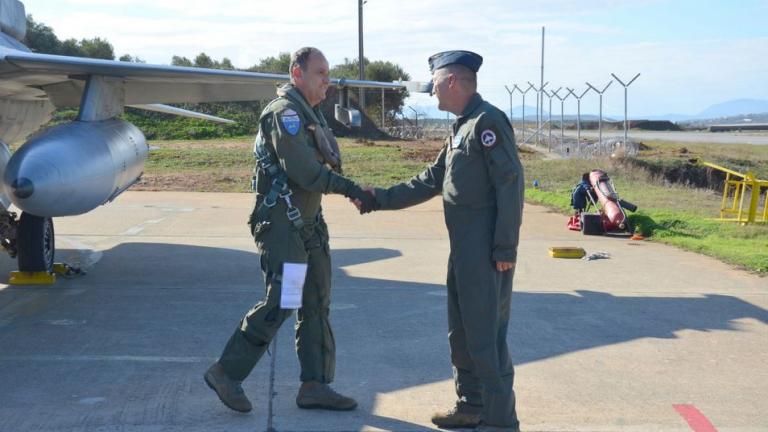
x: 650, y: 338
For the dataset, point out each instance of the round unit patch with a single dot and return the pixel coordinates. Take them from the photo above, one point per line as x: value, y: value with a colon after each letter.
x: 488, y: 138
x: 291, y: 121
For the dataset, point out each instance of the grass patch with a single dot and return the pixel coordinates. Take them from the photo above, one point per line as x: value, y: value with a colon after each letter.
x: 225, y: 165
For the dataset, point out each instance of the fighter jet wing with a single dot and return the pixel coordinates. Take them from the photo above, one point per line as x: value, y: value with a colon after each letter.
x: 62, y: 79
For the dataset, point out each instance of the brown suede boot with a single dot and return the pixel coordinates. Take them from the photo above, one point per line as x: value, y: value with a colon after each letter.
x: 460, y: 416
x: 229, y: 391
x: 316, y: 395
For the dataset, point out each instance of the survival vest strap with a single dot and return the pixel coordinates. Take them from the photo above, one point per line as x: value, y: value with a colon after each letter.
x: 279, y: 186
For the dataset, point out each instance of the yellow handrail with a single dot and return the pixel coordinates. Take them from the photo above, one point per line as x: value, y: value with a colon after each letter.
x: 740, y: 196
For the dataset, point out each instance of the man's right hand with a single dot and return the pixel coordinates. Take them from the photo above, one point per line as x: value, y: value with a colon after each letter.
x: 364, y: 200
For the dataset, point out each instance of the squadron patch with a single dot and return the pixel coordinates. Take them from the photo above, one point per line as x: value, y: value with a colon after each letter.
x: 291, y: 121
x: 488, y: 138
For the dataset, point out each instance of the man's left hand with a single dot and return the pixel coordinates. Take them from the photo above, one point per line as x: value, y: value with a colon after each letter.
x: 503, y: 266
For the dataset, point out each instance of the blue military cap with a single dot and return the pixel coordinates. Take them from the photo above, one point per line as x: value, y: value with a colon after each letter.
x: 464, y: 58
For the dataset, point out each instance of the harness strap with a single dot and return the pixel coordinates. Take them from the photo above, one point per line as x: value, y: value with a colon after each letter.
x: 279, y: 188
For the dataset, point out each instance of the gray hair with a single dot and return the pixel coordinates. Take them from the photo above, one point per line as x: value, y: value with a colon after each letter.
x: 301, y: 57
x: 466, y: 76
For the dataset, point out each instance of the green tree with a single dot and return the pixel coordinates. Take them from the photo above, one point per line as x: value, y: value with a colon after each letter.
x: 97, y: 48
x: 203, y: 60
x: 278, y: 65
x: 130, y: 59
x: 41, y: 38
x: 181, y: 61
x: 379, y: 70
x: 71, y: 47
x: 225, y: 64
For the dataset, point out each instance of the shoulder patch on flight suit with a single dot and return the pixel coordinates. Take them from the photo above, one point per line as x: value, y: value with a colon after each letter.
x: 488, y: 138
x: 291, y: 121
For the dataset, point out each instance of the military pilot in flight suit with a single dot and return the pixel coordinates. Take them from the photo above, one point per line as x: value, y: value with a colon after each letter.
x: 297, y: 162
x: 480, y: 177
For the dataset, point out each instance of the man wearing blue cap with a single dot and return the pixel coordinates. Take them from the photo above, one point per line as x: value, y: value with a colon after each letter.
x: 481, y: 180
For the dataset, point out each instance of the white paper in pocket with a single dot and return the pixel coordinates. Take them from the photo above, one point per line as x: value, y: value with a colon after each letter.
x: 294, y: 275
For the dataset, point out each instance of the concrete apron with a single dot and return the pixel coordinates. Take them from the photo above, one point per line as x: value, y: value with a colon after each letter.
x: 651, y: 339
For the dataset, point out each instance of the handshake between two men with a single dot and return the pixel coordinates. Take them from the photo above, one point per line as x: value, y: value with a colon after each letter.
x: 364, y: 199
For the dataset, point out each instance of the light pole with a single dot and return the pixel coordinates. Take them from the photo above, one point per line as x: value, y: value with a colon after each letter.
x: 578, y: 115
x: 600, y: 119
x: 626, y: 125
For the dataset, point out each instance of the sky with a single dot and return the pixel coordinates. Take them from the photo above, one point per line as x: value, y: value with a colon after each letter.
x: 690, y: 54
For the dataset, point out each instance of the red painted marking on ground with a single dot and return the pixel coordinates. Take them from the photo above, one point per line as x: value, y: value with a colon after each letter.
x: 696, y: 420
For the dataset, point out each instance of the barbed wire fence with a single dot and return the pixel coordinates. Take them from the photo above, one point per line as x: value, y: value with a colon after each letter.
x: 567, y: 146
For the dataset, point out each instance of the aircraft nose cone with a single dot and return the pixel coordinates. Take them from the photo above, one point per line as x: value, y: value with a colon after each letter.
x: 22, y: 188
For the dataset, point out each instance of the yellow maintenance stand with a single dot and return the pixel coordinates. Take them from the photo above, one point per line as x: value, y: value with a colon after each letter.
x: 739, y: 188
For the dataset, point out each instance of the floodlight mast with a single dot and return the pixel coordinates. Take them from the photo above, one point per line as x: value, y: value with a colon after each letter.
x: 578, y: 115
x: 626, y: 123
x: 600, y: 119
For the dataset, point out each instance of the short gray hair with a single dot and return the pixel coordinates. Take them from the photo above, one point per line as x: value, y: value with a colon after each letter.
x: 466, y: 76
x: 301, y: 57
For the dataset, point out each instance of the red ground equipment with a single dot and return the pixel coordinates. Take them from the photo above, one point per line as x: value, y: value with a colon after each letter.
x: 596, y: 189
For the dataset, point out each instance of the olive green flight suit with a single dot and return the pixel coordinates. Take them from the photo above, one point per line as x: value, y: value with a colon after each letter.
x: 481, y: 180
x: 283, y: 127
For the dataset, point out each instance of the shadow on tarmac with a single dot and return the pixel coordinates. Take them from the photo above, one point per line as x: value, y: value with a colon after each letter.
x: 165, y: 300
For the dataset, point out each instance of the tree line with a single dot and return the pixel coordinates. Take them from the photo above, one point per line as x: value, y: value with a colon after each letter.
x: 41, y: 38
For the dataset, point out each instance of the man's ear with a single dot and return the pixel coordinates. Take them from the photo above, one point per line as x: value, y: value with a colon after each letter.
x: 296, y: 72
x: 451, y: 80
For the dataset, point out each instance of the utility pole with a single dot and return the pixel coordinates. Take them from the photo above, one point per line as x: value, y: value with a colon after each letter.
x: 600, y: 119
x: 361, y: 66
x: 541, y: 85
x: 626, y: 124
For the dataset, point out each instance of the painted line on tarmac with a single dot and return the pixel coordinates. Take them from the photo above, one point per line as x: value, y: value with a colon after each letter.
x: 104, y: 358
x: 140, y: 227
x: 696, y: 420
